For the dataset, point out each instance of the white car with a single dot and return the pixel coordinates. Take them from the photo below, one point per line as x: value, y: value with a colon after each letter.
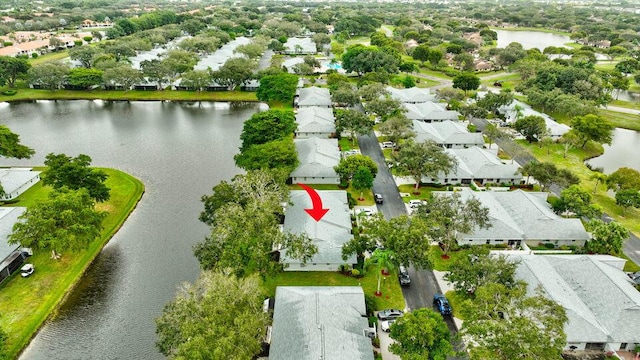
x: 414, y: 204
x: 27, y: 270
x: 365, y: 212
x: 386, y: 325
x: 388, y: 145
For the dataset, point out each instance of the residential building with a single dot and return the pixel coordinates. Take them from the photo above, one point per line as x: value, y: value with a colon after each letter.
x: 15, y: 181
x: 521, y: 216
x: 315, y: 121
x: 317, y: 158
x: 429, y: 112
x: 449, y: 134
x: 518, y: 109
x: 10, y: 256
x: 320, y: 322
x: 329, y: 234
x: 477, y: 165
x: 300, y: 46
x: 602, y: 306
x: 412, y: 95
x: 313, y: 96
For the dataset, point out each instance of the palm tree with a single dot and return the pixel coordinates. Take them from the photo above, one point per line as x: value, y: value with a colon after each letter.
x: 384, y: 259
x: 599, y: 178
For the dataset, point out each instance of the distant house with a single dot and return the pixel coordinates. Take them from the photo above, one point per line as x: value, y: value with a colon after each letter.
x: 317, y: 158
x: 10, y: 256
x: 482, y: 65
x: 602, y: 306
x: 521, y: 216
x: 449, y: 134
x: 251, y: 85
x: 519, y: 109
x: 329, y: 234
x: 313, y: 96
x: 15, y: 181
x: 429, y: 112
x: 300, y: 46
x: 291, y: 63
x: 477, y: 165
x: 320, y: 322
x: 412, y: 95
x: 315, y: 121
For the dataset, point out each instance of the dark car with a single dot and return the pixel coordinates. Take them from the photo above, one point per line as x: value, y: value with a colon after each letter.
x: 442, y: 304
x: 403, y: 276
x: 389, y: 314
x: 378, y: 198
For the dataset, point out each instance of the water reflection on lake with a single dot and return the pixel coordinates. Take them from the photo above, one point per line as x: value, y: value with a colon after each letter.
x: 623, y: 152
x: 531, y: 39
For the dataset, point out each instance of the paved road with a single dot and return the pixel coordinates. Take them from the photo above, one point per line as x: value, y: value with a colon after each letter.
x: 622, y: 110
x: 423, y: 282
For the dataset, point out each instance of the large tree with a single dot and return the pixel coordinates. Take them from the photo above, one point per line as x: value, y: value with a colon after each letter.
x: 363, y: 59
x: 196, y: 79
x: 385, y: 261
x: 547, y: 173
x: 448, y: 216
x: 75, y: 173
x: 397, y: 128
x: 267, y: 126
x: 217, y: 317
x: 123, y: 75
x: 245, y: 217
x: 65, y: 221
x: 158, y: 71
x: 85, y: 54
x: 594, y: 128
x: 234, y: 72
x: 48, y: 75
x: 372, y: 91
x: 606, y: 238
x: 85, y: 78
x: 504, y: 323
x: 466, y: 82
x: 425, y: 159
x: 624, y: 178
x: 479, y: 268
x: 10, y: 145
x: 385, y: 107
x: 421, y: 334
x: 274, y: 154
x: 362, y: 180
x: 345, y: 97
x: 278, y: 87
x: 349, y: 165
x: 533, y: 127
x: 11, y: 69
x: 628, y: 198
x: 577, y: 201
x: 354, y: 122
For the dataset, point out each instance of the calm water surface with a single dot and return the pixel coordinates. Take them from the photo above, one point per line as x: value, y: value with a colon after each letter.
x: 531, y: 39
x: 623, y: 152
x: 180, y: 152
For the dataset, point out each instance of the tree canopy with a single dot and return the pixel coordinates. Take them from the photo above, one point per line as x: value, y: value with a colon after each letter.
x: 623, y: 179
x: 421, y: 334
x: 577, y: 201
x: 606, y: 238
x: 267, y: 126
x: 594, y: 128
x: 65, y: 221
x: 349, y: 165
x: 217, y: 317
x: 10, y: 145
x: 354, y: 122
x: 234, y: 72
x: 274, y: 154
x: 11, y: 69
x: 75, y: 173
x: 533, y: 127
x: 466, y: 82
x: 426, y: 159
x: 479, y: 268
x: 547, y: 173
x: 279, y: 87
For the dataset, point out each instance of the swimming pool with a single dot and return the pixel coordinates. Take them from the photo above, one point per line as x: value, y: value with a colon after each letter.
x: 334, y: 66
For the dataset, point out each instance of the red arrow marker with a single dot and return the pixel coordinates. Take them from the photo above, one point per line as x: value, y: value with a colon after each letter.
x: 317, y: 212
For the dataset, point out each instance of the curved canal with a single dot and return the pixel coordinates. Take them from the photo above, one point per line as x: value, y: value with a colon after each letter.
x: 179, y: 151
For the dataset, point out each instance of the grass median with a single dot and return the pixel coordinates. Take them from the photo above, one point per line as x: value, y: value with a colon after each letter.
x: 26, y: 303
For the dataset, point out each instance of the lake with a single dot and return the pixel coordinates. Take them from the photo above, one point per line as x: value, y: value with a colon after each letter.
x: 179, y: 151
x: 621, y: 153
x: 531, y: 39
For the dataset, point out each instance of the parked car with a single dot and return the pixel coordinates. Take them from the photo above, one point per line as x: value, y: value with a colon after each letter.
x: 365, y: 212
x: 378, y: 198
x: 442, y: 304
x: 389, y: 314
x: 403, y: 276
x: 27, y: 270
x: 386, y: 325
x: 414, y: 204
x: 388, y: 145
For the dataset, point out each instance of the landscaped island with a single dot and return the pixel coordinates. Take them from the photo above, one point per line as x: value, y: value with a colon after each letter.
x: 27, y: 303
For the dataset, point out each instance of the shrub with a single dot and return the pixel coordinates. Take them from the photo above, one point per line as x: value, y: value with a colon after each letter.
x: 375, y: 342
x: 34, y: 55
x: 549, y: 245
x: 370, y: 304
x: 355, y: 273
x: 345, y: 269
x: 9, y: 92
x: 352, y: 202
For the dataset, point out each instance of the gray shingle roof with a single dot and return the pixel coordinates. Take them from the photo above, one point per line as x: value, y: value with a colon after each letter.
x: 320, y: 322
x: 329, y: 234
x: 477, y: 163
x: 12, y: 179
x: 315, y: 120
x: 8, y: 217
x: 429, y: 111
x: 520, y: 215
x: 555, y: 129
x: 446, y: 132
x: 317, y: 157
x: 601, y: 303
x: 412, y: 95
x: 314, y: 96
x: 307, y: 45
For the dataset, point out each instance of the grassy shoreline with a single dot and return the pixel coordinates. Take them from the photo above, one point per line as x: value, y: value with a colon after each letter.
x: 545, y: 30
x: 132, y: 95
x: 26, y: 308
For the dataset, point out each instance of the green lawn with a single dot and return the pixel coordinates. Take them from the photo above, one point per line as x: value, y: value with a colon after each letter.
x: 367, y: 195
x: 27, y: 302
x: 605, y: 65
x: 625, y: 104
x: 540, y: 29
x: 622, y: 120
x: 33, y: 94
x: 455, y: 300
x: 390, y: 288
x: 441, y: 264
x: 425, y: 191
x: 49, y: 57
x: 425, y: 83
x: 575, y: 162
x: 434, y: 73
